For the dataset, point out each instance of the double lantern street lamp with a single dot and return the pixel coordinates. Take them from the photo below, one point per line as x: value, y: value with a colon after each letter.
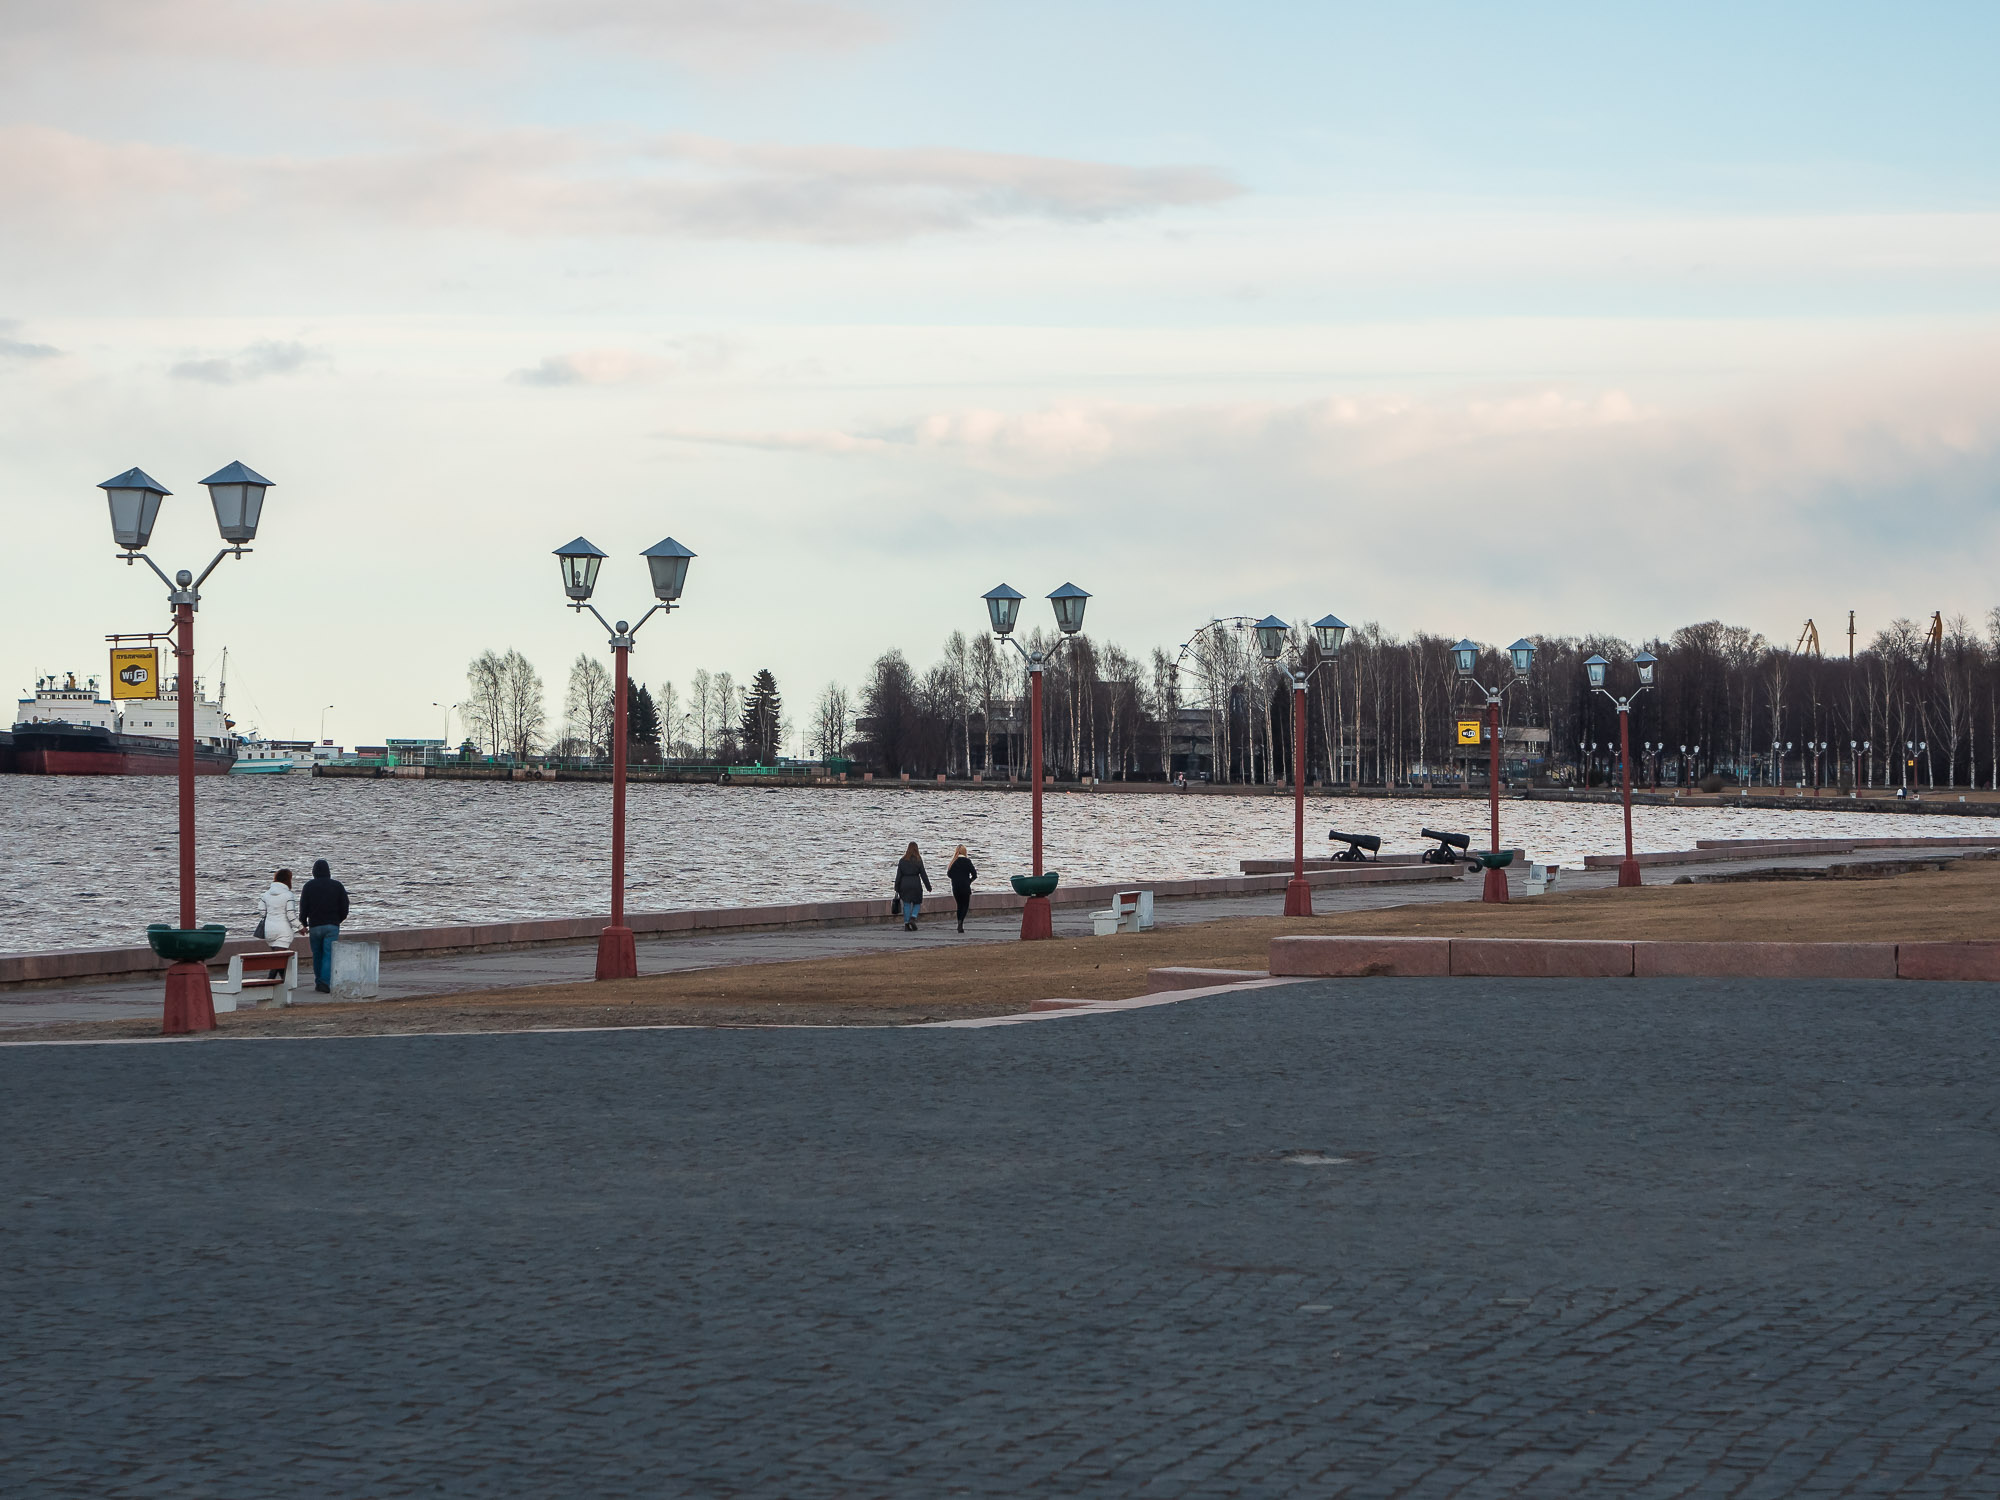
x: 1274, y: 638
x: 1596, y: 667
x: 237, y: 494
x: 617, y: 957
x: 1521, y: 655
x: 1003, y: 608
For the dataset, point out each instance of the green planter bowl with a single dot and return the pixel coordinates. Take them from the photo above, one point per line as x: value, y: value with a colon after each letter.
x: 1035, y: 885
x: 1494, y: 859
x: 182, y: 945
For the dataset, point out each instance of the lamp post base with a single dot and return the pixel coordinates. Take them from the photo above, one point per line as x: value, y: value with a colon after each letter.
x: 1036, y: 923
x: 1628, y: 872
x: 190, y: 1003
x: 1298, y: 898
x: 1496, y: 886
x: 616, y: 956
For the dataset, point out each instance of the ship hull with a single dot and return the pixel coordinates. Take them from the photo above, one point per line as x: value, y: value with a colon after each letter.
x: 85, y: 752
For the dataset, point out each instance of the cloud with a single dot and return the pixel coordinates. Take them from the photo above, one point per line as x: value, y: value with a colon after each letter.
x: 1368, y: 432
x: 322, y: 33
x: 566, y: 183
x: 266, y: 357
x: 13, y: 348
x: 591, y: 367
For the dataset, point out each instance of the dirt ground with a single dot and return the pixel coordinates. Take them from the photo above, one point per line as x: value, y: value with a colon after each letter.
x: 985, y: 979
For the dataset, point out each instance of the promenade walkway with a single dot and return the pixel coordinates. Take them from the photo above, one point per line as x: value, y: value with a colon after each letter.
x: 1542, y: 1238
x: 407, y: 977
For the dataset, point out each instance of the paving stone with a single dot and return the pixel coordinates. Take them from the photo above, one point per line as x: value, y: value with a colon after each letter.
x: 1643, y: 1237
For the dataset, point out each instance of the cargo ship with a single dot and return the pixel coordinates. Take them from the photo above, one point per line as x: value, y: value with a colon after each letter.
x: 68, y: 729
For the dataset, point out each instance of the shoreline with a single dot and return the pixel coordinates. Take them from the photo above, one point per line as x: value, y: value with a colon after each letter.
x: 1975, y: 802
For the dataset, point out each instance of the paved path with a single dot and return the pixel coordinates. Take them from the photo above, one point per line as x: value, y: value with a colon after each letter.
x: 556, y: 964
x: 1366, y: 1237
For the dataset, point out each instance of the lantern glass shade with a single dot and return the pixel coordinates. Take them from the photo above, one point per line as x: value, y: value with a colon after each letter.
x: 1069, y: 601
x: 237, y: 493
x: 1003, y: 608
x: 1271, y: 633
x: 1596, y: 666
x: 1645, y: 661
x: 1465, y: 655
x: 1331, y: 634
x: 580, y: 562
x: 1523, y: 653
x: 135, y: 505
x: 667, y: 560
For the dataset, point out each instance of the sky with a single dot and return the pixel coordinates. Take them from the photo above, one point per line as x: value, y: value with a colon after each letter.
x: 1473, y: 319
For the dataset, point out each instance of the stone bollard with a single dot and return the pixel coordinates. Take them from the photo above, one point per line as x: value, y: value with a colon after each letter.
x: 357, y: 969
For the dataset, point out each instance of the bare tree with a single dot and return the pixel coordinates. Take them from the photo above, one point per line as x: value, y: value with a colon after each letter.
x: 701, y: 706
x: 485, y: 696
x: 833, y: 718
x: 524, y: 716
x: 587, y: 707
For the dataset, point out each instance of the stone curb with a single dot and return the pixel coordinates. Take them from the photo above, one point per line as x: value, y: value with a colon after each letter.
x: 1195, y: 979
x: 1570, y: 958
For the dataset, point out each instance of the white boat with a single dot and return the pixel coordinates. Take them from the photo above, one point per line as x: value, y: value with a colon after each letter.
x: 257, y: 756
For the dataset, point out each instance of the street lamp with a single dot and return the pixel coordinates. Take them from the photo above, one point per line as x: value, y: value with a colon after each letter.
x: 667, y: 561
x: 1521, y: 656
x: 1273, y: 638
x: 1597, y: 668
x: 237, y: 494
x: 1003, y: 610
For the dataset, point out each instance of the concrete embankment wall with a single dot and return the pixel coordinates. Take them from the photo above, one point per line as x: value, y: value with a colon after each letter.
x: 84, y: 965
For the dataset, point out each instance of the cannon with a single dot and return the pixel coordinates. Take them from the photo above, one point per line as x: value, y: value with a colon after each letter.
x: 1450, y: 847
x: 1356, y: 843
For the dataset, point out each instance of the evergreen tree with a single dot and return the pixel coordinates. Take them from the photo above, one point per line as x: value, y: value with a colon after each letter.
x: 763, y: 713
x: 642, y: 723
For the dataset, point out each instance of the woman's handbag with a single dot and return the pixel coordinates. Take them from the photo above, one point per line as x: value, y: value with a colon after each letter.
x: 895, y: 906
x: 260, y: 928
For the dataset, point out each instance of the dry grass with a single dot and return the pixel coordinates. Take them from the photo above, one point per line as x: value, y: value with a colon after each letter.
x: 982, y: 979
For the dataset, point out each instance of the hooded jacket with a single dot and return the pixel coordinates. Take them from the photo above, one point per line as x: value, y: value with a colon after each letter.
x: 280, y: 911
x: 323, y: 903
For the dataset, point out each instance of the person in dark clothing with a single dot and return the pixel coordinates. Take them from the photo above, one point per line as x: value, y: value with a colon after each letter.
x: 322, y: 908
x: 961, y: 873
x: 912, y: 880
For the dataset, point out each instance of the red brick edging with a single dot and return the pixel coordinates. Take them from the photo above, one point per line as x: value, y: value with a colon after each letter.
x: 1569, y: 958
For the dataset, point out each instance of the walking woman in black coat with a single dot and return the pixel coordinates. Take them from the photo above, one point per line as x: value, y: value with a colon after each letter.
x: 961, y: 874
x: 912, y: 880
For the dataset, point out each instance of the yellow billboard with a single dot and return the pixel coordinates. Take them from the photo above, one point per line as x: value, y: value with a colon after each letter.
x: 135, y: 672
x: 1468, y: 731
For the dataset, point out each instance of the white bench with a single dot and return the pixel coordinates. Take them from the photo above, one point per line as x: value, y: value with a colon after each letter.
x: 275, y: 969
x: 1130, y: 911
x: 1542, y: 878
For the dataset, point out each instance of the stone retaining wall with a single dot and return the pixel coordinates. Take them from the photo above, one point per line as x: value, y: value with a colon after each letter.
x: 80, y: 965
x: 1565, y: 958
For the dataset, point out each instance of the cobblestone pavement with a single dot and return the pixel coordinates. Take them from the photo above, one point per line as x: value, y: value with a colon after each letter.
x: 1374, y: 1237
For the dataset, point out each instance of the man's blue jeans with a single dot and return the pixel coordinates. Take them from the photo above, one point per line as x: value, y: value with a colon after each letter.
x: 322, y: 946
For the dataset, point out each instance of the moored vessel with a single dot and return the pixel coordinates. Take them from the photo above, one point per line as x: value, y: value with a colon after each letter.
x: 68, y: 729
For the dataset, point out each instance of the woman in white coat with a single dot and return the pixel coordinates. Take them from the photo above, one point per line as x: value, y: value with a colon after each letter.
x: 279, y: 909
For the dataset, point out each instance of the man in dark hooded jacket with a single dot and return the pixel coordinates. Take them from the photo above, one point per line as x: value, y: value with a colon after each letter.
x: 322, y: 908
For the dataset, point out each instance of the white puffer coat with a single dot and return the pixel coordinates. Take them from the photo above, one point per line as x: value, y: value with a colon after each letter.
x: 280, y: 910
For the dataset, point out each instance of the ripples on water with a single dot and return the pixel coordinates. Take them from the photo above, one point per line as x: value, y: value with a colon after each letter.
x: 91, y: 860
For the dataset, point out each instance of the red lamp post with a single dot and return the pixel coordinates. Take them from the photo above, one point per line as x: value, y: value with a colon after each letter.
x: 1273, y: 636
x: 1597, y: 666
x: 1522, y: 657
x: 1003, y: 608
x: 667, y: 561
x: 237, y: 494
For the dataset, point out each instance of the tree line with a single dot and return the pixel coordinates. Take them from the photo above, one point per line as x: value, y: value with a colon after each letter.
x: 1913, y: 706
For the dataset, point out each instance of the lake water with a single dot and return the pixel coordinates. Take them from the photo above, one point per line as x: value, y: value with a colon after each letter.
x: 91, y: 860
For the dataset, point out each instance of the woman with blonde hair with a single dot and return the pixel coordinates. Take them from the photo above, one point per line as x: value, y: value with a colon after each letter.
x: 912, y: 880
x: 961, y: 874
